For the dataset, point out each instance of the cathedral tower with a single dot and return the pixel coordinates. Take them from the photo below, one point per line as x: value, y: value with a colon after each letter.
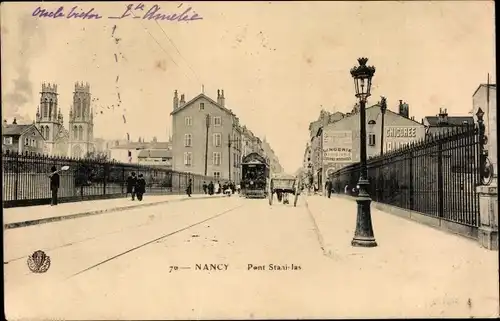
x: 49, y: 119
x: 81, y: 122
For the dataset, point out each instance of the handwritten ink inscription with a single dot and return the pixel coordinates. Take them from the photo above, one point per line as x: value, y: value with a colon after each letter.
x: 143, y: 12
x: 73, y: 13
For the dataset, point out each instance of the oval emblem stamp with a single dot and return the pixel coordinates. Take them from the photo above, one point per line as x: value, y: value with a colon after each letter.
x: 38, y: 262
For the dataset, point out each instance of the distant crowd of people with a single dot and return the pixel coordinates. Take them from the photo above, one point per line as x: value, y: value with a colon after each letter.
x: 228, y: 188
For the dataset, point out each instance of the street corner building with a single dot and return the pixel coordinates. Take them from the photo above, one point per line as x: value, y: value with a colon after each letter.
x: 208, y: 139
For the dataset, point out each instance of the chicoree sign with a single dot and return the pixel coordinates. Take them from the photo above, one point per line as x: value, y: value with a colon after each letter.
x: 401, y: 132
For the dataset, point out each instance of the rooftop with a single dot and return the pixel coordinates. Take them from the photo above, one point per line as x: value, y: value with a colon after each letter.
x: 14, y: 129
x: 450, y: 120
x: 155, y: 153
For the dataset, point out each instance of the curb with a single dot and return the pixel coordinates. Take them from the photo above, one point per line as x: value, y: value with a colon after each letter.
x: 96, y: 212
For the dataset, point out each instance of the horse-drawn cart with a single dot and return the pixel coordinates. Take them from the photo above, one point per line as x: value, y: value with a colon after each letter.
x: 282, y: 186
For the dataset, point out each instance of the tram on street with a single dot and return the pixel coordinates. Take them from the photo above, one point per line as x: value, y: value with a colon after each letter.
x: 254, y: 176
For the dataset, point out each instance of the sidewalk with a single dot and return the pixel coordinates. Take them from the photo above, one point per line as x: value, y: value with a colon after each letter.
x: 440, y: 272
x: 32, y: 215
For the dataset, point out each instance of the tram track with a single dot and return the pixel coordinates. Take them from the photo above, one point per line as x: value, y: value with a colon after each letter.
x: 130, y: 250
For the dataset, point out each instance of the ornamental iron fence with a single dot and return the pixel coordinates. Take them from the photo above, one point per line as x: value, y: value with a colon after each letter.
x: 26, y: 182
x: 436, y: 176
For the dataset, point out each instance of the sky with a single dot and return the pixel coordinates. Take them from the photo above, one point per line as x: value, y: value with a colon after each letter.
x: 279, y: 63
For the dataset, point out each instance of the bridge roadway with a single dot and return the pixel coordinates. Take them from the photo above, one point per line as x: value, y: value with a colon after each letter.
x: 190, y: 260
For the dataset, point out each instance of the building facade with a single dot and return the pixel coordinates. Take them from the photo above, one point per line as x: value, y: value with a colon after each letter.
x: 128, y: 152
x: 341, y: 140
x: 160, y: 158
x: 271, y: 157
x: 315, y: 146
x: 23, y: 139
x: 191, y: 139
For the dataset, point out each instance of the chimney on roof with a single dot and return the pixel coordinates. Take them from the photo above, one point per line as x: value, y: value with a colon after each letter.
x: 404, y: 109
x: 221, y: 100
x: 15, y: 121
x: 176, y: 100
x: 182, y: 102
x: 443, y: 116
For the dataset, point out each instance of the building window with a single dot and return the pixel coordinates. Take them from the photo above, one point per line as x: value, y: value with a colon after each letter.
x: 217, y: 175
x: 26, y: 142
x: 188, y: 159
x: 188, y: 121
x: 202, y: 106
x: 371, y: 139
x: 235, y: 160
x: 217, y: 158
x: 217, y: 139
x: 217, y: 121
x: 7, y: 140
x: 188, y: 140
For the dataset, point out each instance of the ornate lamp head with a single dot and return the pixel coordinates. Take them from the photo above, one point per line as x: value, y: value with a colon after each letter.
x: 383, y: 104
x: 362, y: 75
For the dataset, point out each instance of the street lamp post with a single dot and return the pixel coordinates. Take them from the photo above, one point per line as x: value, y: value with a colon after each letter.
x: 207, y: 118
x: 229, y: 144
x: 363, y: 237
x: 383, y: 108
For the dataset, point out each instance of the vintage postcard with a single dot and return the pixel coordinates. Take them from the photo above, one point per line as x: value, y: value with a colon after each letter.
x: 249, y: 160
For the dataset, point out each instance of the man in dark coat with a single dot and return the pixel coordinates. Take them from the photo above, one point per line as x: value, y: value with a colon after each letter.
x: 54, y: 185
x: 328, y: 187
x: 211, y: 188
x: 131, y: 185
x: 205, y: 187
x: 189, y: 188
x: 140, y: 187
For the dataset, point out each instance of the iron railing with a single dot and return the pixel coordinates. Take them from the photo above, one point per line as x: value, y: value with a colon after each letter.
x: 26, y: 182
x: 436, y: 176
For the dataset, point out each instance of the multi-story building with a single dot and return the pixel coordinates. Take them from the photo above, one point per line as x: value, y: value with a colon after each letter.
x: 272, y: 158
x: 315, y: 165
x: 203, y: 126
x: 22, y: 139
x: 249, y: 142
x: 341, y: 139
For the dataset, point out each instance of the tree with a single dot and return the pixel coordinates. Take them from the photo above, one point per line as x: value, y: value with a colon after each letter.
x: 97, y: 156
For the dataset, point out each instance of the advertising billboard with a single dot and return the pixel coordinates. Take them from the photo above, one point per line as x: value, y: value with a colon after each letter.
x: 337, y: 146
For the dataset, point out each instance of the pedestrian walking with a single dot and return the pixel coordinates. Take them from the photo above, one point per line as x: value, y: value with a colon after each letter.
x: 205, y: 187
x: 211, y: 188
x: 54, y: 185
x: 217, y: 188
x: 131, y: 185
x: 140, y: 187
x: 328, y: 187
x: 189, y: 187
